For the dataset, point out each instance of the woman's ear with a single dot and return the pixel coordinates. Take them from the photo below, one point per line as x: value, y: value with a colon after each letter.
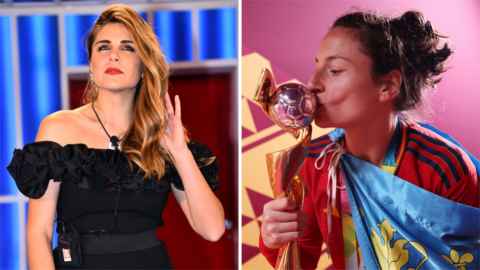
x: 393, y: 82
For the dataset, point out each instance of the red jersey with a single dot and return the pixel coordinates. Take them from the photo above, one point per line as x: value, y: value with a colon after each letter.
x: 424, y: 158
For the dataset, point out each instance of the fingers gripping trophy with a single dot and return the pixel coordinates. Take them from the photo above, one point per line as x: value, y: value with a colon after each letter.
x: 290, y: 106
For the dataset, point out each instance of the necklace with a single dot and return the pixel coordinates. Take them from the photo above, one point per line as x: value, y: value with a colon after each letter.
x: 113, y: 139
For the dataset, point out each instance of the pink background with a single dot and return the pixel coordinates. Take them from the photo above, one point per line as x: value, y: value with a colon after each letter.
x: 288, y: 34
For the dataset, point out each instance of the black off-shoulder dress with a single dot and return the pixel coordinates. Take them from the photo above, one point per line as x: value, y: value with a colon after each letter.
x: 92, y: 179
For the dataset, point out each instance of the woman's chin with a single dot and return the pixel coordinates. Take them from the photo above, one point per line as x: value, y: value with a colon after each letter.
x: 118, y: 87
x: 324, y: 123
x: 320, y: 123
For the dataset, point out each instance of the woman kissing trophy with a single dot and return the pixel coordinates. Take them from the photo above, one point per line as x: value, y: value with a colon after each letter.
x: 291, y: 107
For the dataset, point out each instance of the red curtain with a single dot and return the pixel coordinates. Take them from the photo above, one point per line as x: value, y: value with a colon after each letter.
x: 208, y: 112
x: 76, y: 88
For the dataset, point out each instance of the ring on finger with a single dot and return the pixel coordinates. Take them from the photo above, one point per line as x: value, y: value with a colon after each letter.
x: 171, y: 114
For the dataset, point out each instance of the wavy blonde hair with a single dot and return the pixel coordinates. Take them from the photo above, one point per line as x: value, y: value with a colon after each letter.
x: 141, y: 143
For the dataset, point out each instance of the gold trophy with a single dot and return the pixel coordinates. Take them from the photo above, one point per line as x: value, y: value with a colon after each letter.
x: 290, y: 106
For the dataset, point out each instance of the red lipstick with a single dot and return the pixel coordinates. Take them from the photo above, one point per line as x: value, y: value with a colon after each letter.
x: 113, y: 71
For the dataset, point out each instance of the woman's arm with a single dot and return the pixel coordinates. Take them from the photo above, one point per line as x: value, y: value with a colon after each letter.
x: 40, y: 224
x: 201, y: 207
x: 41, y: 212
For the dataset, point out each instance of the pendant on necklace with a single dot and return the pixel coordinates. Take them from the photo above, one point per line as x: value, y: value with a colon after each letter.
x: 114, y: 143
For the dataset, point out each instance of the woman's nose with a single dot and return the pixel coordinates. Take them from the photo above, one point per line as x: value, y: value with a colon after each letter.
x: 315, y: 83
x: 114, y: 56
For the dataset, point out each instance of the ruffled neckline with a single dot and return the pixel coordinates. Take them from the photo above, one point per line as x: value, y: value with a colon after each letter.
x: 38, y: 162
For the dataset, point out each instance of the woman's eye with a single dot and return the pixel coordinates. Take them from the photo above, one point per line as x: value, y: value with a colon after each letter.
x: 128, y: 48
x: 335, y: 71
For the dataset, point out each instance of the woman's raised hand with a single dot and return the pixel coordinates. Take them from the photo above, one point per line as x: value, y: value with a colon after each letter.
x: 282, y: 223
x: 173, y: 139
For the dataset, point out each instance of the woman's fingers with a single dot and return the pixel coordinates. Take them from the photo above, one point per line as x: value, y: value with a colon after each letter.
x: 170, y: 110
x: 275, y: 235
x: 281, y: 204
x: 282, y: 223
x: 283, y: 210
x: 178, y: 110
x: 285, y: 216
x: 277, y: 240
x: 168, y: 104
x: 286, y: 227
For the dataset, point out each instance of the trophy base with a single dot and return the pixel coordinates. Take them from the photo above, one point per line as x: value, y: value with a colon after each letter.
x: 289, y: 255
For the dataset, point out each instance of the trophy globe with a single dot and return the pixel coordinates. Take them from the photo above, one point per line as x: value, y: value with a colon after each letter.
x: 292, y: 106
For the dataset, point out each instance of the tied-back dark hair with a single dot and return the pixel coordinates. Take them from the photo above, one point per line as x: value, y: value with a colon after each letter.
x: 408, y: 44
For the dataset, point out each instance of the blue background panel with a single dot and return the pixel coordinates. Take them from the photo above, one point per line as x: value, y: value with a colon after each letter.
x: 8, y: 139
x: 174, y: 32
x: 217, y: 33
x: 39, y: 71
x: 9, y: 236
x: 77, y: 29
x: 144, y: 16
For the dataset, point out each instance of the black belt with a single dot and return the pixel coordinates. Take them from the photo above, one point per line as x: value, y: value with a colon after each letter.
x: 120, y: 242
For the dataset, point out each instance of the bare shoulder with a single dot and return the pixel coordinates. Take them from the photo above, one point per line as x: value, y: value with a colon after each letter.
x: 58, y: 126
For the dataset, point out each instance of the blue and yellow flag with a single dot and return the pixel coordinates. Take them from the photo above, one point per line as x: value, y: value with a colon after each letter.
x: 402, y: 226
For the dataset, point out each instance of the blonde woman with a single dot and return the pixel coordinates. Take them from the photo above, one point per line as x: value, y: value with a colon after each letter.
x: 105, y: 169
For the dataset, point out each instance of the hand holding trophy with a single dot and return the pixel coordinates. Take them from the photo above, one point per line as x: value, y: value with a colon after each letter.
x: 291, y: 107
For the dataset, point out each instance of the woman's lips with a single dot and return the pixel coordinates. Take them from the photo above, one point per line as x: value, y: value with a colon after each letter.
x: 113, y: 71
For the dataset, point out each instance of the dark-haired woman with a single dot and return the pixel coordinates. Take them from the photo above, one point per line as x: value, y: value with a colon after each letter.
x: 106, y: 168
x: 371, y: 71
